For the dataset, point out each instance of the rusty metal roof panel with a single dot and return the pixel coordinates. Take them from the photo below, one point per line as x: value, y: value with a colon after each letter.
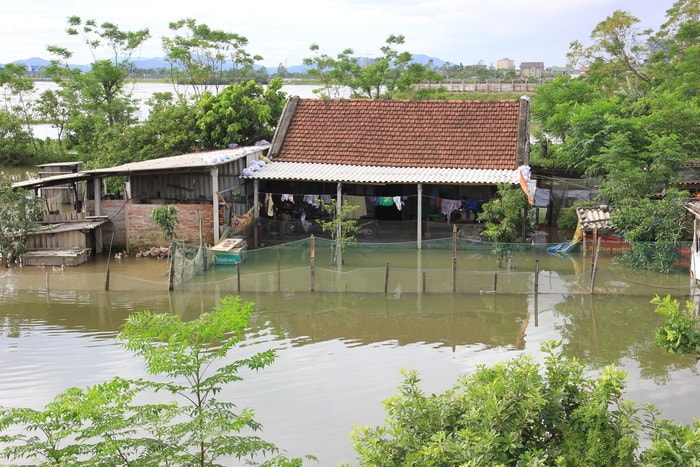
x: 300, y: 171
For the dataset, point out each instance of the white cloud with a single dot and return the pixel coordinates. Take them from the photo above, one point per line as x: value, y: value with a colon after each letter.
x: 465, y: 31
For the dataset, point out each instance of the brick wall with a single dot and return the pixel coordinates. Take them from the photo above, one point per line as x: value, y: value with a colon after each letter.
x: 117, y: 216
x: 143, y: 233
x: 134, y: 229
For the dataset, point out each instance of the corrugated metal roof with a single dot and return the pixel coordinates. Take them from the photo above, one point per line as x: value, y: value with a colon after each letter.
x: 380, y: 175
x: 51, y: 181
x: 193, y: 160
x: 594, y: 218
x: 184, y: 161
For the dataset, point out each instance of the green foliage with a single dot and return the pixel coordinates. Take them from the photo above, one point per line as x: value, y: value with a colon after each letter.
x: 19, y: 212
x: 391, y: 75
x: 632, y: 119
x: 165, y: 217
x: 679, y: 333
x: 104, y: 424
x: 654, y: 227
x: 506, y: 220
x: 514, y: 413
x: 240, y: 114
x: 568, y: 219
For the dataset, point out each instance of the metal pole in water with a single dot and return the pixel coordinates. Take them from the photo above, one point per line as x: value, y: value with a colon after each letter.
x: 537, y: 276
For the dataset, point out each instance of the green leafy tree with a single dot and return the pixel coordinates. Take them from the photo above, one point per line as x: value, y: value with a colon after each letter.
x: 679, y: 333
x: 506, y: 221
x: 104, y: 424
x: 655, y: 228
x: 15, y: 80
x: 390, y: 75
x: 16, y: 143
x: 240, y: 114
x: 97, y: 99
x: 513, y: 413
x: 166, y: 218
x: 18, y: 216
x: 198, y: 55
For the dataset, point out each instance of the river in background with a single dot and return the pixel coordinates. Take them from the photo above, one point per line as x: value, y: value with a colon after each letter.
x: 143, y: 92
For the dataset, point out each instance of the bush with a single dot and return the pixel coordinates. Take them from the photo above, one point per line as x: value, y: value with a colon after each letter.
x: 522, y: 413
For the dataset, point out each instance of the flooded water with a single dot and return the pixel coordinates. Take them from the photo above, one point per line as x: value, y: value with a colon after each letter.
x: 339, y: 354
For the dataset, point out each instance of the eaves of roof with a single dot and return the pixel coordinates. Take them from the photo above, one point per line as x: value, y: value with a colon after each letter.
x: 298, y: 171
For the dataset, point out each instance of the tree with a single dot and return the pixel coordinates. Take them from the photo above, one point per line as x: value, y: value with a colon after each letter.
x: 390, y: 75
x: 96, y: 98
x: 655, y: 227
x: 506, y: 221
x: 522, y: 413
x: 240, y: 114
x: 18, y: 216
x: 165, y: 217
x: 198, y: 57
x: 103, y: 425
x: 679, y: 333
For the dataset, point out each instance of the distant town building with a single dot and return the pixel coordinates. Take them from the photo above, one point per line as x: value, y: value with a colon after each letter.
x: 532, y: 70
x: 505, y: 64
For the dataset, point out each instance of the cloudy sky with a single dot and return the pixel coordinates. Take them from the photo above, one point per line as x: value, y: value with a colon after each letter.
x: 281, y: 31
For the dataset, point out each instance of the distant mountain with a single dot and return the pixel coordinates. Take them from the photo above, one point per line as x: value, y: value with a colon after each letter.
x: 36, y: 63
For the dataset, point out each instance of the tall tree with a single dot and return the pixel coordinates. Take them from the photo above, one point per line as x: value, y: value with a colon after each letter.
x: 198, y: 55
x: 390, y: 75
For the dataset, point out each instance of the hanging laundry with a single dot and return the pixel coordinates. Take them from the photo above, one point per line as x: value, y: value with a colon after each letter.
x: 386, y: 201
x: 289, y: 198
x: 269, y: 205
x: 398, y: 201
x: 359, y: 203
x: 449, y: 205
x: 311, y: 200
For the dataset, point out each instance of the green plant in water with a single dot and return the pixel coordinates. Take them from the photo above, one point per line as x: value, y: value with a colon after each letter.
x: 165, y: 217
x: 103, y: 424
x: 506, y: 221
x: 679, y: 333
x: 340, y: 226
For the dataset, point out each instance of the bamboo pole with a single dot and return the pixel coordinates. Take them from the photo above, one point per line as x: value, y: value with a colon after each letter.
x: 595, y: 266
x: 454, y: 258
x: 386, y: 279
x: 537, y: 277
x: 279, y: 273
x: 238, y: 276
x: 313, y: 263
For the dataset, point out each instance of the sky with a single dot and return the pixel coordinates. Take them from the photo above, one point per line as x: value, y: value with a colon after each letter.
x: 281, y: 31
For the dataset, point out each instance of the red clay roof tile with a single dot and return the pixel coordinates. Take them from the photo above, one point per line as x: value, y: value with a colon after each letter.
x: 455, y: 133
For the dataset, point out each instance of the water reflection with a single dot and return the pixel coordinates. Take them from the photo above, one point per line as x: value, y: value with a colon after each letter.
x: 340, y: 353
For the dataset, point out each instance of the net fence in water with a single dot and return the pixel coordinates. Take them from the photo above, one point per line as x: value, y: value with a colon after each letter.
x: 440, y: 266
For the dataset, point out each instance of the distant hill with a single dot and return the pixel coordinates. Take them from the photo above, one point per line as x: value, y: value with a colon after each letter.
x: 36, y: 63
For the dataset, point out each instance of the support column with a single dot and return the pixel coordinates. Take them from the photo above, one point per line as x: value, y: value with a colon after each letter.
x: 97, y: 190
x: 215, y: 201
x: 339, y: 231
x: 256, y: 211
x: 419, y: 220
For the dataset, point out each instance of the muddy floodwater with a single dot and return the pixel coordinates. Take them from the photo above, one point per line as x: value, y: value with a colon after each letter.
x: 340, y: 347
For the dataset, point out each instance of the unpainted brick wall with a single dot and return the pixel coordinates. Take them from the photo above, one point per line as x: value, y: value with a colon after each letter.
x: 134, y: 229
x: 143, y: 233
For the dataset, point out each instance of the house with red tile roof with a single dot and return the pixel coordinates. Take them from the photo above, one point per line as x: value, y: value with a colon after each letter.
x: 420, y: 152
